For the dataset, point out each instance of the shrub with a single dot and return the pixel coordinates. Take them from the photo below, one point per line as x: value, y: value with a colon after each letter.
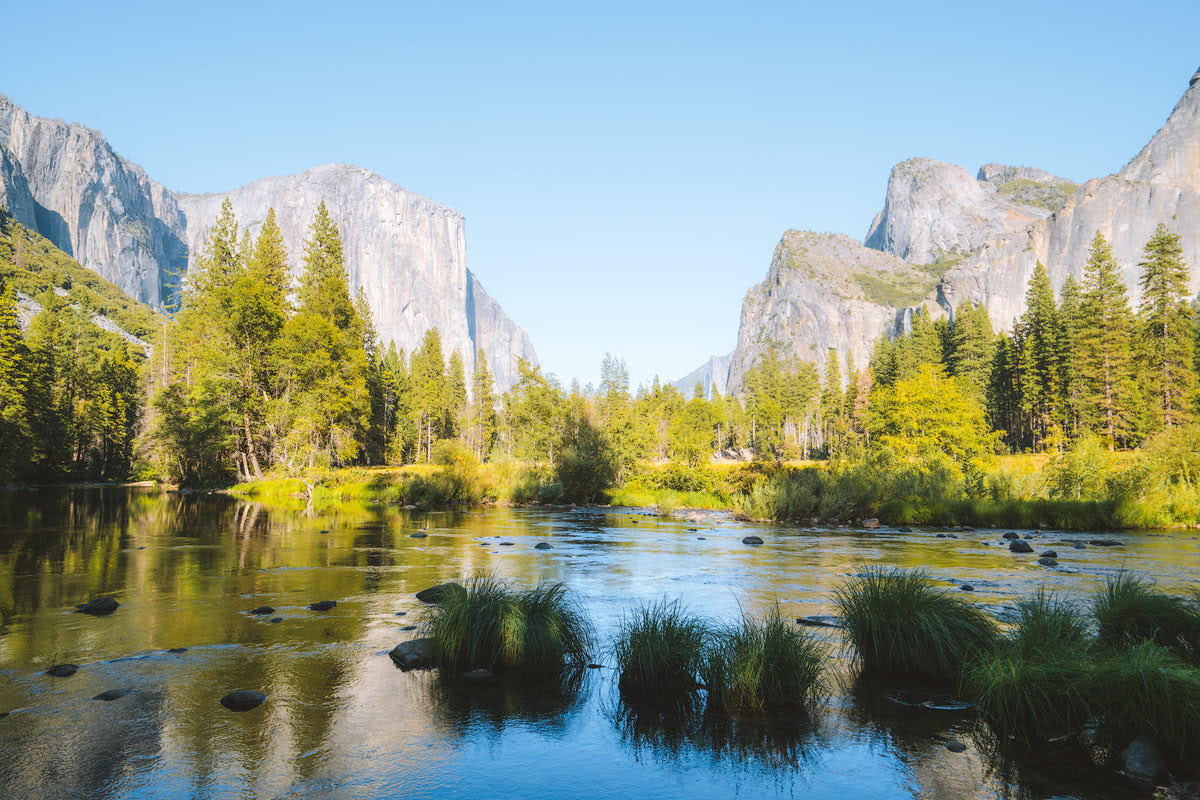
x: 587, y: 467
x: 459, y: 479
x: 1032, y: 688
x: 897, y: 621
x: 1128, y: 610
x: 756, y: 664
x: 660, y: 651
x: 496, y: 627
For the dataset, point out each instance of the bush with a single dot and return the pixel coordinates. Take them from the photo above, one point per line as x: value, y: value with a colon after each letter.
x: 660, y: 651
x: 897, y: 621
x: 459, y: 479
x: 496, y: 627
x: 1032, y: 688
x: 587, y: 467
x: 1128, y: 610
x: 756, y: 664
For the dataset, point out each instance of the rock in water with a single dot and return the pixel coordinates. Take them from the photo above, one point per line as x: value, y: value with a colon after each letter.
x: 262, y: 610
x: 871, y: 524
x: 99, y: 607
x: 323, y: 605
x: 1011, y: 535
x: 1048, y: 562
x: 751, y: 540
x: 413, y: 654
x: 477, y: 674
x: 1106, y: 543
x: 62, y: 670
x: 276, y: 619
x: 1141, y: 759
x: 1049, y: 554
x: 955, y: 746
x: 436, y: 594
x: 543, y: 546
x: 243, y: 700
x: 177, y: 650
x: 113, y: 694
x: 1020, y: 546
x: 966, y: 587
x: 819, y: 621
x: 418, y: 535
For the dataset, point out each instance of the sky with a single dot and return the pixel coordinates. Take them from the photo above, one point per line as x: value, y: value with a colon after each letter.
x: 625, y: 170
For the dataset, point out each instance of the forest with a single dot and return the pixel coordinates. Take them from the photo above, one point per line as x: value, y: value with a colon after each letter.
x: 259, y: 375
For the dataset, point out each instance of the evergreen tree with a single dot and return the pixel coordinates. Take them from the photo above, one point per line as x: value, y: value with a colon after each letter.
x: 428, y: 373
x: 324, y: 286
x: 971, y: 347
x: 1105, y: 345
x: 14, y: 381
x: 456, y: 396
x: 1038, y: 337
x: 1071, y: 317
x: 483, y: 407
x: 1166, y: 328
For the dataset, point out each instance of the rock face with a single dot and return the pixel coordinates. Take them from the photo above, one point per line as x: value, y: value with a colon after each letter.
x: 95, y: 206
x: 824, y: 291
x: 712, y: 375
x: 934, y: 211
x: 966, y: 239
x: 407, y: 252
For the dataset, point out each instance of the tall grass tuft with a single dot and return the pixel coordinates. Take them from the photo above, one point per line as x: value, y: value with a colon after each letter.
x: 1146, y: 691
x: 898, y: 621
x: 1128, y: 610
x: 757, y: 664
x: 493, y: 626
x: 660, y: 651
x: 1033, y: 687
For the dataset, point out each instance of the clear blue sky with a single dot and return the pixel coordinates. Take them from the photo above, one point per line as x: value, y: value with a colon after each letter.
x: 625, y: 169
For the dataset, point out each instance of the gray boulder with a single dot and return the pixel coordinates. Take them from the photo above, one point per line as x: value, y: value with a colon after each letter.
x: 436, y: 594
x: 413, y: 654
x: 1020, y: 546
x: 1141, y: 759
x: 243, y: 700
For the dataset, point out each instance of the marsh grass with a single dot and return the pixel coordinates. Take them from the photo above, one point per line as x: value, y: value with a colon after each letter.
x: 898, y: 621
x: 494, y: 626
x: 1033, y: 687
x: 757, y: 664
x: 1146, y: 691
x: 660, y: 650
x: 1129, y: 610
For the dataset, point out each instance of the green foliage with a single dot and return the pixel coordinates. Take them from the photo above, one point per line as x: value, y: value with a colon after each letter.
x: 540, y: 631
x: 767, y: 663
x: 660, y: 651
x: 587, y: 466
x: 1166, y: 343
x: 1033, y: 687
x: 895, y: 289
x: 1105, y: 346
x: 897, y: 621
x: 1128, y: 611
x: 459, y: 478
x: 1145, y: 691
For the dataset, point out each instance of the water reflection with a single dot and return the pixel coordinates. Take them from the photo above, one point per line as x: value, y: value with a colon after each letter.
x: 342, y: 722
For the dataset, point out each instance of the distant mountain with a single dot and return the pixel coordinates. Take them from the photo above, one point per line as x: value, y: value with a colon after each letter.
x: 67, y: 183
x: 945, y: 237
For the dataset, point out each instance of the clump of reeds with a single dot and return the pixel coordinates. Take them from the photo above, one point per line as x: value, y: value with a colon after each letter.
x: 497, y: 627
x: 1032, y: 687
x: 756, y: 664
x: 1147, y: 691
x: 899, y: 621
x: 1129, y: 610
x: 660, y: 650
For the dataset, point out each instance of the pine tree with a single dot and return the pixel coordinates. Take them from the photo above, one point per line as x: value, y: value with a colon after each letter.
x: 483, y: 407
x: 456, y: 396
x: 1004, y: 391
x: 833, y: 408
x: 14, y: 382
x: 971, y: 347
x: 1105, y: 345
x: 1071, y: 319
x: 324, y: 285
x: 268, y: 263
x: 1166, y: 328
x: 1040, y: 367
x: 428, y: 372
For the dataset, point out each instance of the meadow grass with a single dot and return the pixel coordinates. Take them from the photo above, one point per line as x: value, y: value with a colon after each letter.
x: 1032, y: 688
x: 660, y: 650
x: 898, y: 621
x: 1129, y: 610
x: 494, y: 626
x: 757, y: 664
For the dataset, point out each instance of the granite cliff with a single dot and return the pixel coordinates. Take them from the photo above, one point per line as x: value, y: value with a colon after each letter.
x: 66, y: 182
x: 970, y: 239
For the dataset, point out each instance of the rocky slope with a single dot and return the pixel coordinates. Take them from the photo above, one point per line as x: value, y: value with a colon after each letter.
x: 1160, y: 184
x: 409, y: 253
x: 975, y: 239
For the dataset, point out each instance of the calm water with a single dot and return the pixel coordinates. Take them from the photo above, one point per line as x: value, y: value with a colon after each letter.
x: 342, y: 722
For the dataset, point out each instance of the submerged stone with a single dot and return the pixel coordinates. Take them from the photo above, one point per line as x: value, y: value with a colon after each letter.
x: 177, y: 650
x: 99, y: 607
x: 114, y: 694
x: 62, y: 670
x: 276, y: 619
x: 819, y: 621
x: 477, y: 674
x: 751, y: 540
x: 323, y: 605
x: 966, y: 587
x: 1048, y: 562
x: 418, y: 535
x: 543, y: 546
x: 243, y: 700
x: 1106, y: 543
x: 262, y: 610
x: 436, y: 594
